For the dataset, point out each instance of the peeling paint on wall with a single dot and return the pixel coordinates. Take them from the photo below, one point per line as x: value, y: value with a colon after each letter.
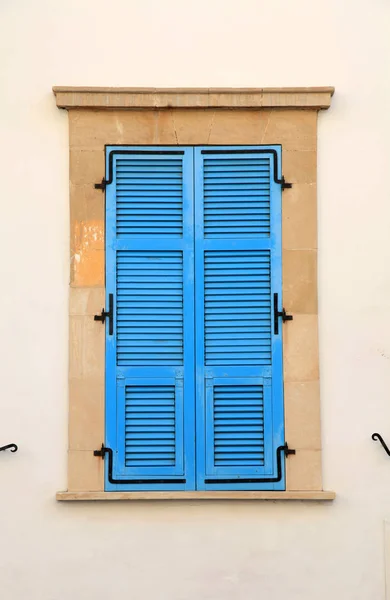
x: 87, y: 260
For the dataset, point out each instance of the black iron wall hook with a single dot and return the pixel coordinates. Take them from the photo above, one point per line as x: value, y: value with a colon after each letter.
x: 12, y: 447
x: 377, y: 436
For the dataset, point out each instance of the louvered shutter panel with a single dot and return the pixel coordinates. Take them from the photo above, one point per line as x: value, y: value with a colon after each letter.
x: 150, y: 357
x: 239, y: 398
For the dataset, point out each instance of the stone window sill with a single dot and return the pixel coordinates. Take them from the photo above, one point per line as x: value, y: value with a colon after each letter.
x: 298, y: 495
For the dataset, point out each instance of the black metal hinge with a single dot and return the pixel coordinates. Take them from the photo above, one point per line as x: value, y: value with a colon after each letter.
x: 107, y: 315
x: 288, y: 451
x: 102, y: 185
x: 279, y: 313
x: 102, y: 452
x: 285, y: 184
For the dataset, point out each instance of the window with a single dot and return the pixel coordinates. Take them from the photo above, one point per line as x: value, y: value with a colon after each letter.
x: 194, y: 122
x: 194, y: 386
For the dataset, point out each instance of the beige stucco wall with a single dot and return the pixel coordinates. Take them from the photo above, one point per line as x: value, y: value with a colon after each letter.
x: 211, y: 550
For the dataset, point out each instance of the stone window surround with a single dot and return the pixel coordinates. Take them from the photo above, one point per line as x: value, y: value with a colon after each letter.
x: 134, y: 116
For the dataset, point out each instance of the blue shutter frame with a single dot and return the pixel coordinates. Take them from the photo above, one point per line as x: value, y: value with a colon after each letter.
x: 239, y: 381
x: 150, y: 408
x: 194, y: 377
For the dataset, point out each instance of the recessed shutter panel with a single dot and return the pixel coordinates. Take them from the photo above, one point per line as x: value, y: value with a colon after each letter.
x: 239, y: 401
x: 150, y: 317
x: 237, y: 288
x: 150, y: 358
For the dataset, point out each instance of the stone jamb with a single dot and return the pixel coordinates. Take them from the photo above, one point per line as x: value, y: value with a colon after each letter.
x: 90, y: 129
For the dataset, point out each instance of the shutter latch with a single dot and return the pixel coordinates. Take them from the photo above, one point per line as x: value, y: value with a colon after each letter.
x: 107, y: 314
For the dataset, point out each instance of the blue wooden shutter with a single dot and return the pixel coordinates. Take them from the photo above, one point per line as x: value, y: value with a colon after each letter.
x: 239, y: 397
x: 150, y: 356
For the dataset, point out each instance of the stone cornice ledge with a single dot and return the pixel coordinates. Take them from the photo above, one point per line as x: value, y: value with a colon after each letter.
x: 299, y: 495
x: 314, y: 98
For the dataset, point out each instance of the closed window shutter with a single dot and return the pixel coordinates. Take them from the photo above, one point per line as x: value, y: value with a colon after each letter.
x: 239, y: 397
x: 150, y: 356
